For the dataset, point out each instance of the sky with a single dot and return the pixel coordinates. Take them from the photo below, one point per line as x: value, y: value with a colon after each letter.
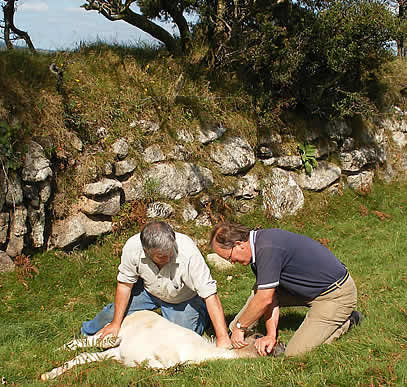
x: 62, y: 25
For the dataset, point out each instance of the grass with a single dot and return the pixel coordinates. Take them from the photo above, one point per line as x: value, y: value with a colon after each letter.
x: 113, y: 86
x: 366, y: 232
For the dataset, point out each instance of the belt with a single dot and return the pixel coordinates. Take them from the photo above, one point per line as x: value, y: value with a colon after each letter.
x: 335, y: 285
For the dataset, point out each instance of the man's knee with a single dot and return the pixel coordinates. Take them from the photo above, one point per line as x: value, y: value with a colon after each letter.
x: 104, y: 317
x: 189, y: 316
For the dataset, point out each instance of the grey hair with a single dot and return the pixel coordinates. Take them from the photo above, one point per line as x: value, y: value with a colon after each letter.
x: 158, y: 235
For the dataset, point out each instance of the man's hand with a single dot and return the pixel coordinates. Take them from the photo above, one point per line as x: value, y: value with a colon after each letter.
x: 265, y: 345
x: 223, y: 342
x: 238, y: 339
x: 109, y: 329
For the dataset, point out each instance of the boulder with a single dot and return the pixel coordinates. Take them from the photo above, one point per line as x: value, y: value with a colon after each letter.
x: 76, y: 142
x: 153, y: 154
x: 133, y: 188
x: 14, y: 196
x: 148, y: 127
x: 281, y: 194
x: 103, y: 187
x: 75, y: 229
x: 67, y: 233
x: 175, y: 182
x: 234, y: 155
x: 361, y: 182
x: 37, y: 220
x: 121, y: 149
x: 321, y: 177
x: 289, y: 162
x: 247, y: 187
x: 218, y: 262
x: 203, y: 220
x: 357, y: 159
x: 189, y: 213
x: 4, y: 224
x: 18, y: 230
x: 400, y: 139
x: 6, y: 263
x: 211, y: 134
x: 124, y: 167
x: 36, y: 166
x: 108, y: 205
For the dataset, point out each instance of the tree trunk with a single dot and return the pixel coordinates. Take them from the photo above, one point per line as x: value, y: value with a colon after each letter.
x: 114, y: 10
x: 179, y: 19
x: 9, y: 10
x: 152, y: 29
x: 220, y: 17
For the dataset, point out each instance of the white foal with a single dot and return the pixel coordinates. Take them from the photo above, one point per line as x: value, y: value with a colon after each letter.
x: 146, y: 336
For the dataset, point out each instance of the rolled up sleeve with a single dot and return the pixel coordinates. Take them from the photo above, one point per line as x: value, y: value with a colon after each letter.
x: 200, y: 276
x: 129, y: 265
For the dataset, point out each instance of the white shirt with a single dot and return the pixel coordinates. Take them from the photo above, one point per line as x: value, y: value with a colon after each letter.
x: 185, y: 276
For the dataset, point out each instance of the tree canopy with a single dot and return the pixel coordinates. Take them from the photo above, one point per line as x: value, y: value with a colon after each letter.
x: 149, y: 10
x: 319, y: 55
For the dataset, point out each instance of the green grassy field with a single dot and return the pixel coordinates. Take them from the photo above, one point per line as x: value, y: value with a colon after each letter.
x: 367, y: 233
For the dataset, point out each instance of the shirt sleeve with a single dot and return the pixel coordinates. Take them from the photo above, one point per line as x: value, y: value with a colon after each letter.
x: 199, y: 275
x: 268, y: 268
x: 129, y: 265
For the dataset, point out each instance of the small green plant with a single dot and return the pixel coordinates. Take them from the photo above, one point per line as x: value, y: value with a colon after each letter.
x: 151, y: 188
x: 10, y: 157
x: 307, y: 153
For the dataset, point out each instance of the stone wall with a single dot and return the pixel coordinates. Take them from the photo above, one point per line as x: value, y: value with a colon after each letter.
x: 278, y: 178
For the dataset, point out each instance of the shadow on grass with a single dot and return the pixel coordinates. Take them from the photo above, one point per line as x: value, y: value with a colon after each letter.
x: 291, y: 319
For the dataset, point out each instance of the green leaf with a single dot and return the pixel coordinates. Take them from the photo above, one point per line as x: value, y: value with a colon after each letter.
x: 310, y: 150
x: 308, y: 168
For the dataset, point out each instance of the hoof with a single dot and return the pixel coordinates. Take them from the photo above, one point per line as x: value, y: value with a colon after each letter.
x: 44, y: 377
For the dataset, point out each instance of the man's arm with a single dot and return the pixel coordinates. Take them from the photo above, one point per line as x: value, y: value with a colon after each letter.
x: 217, y: 317
x: 265, y: 344
x: 256, y: 308
x: 121, y: 302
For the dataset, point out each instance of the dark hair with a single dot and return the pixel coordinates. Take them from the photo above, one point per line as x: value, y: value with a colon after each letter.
x: 158, y: 235
x: 226, y: 234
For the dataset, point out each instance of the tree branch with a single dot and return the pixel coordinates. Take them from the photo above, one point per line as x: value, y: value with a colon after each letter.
x: 8, y: 11
x: 114, y: 10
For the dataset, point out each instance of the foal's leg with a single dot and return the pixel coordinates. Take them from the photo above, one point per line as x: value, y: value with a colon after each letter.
x: 83, y: 358
x: 92, y: 341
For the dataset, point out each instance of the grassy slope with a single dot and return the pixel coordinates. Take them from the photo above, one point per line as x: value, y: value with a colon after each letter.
x: 111, y: 87
x: 48, y: 310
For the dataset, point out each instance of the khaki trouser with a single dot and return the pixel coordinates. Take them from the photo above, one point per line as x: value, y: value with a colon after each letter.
x: 326, y: 320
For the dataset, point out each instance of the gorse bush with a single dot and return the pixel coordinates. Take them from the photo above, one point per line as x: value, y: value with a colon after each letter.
x: 352, y: 46
x: 322, y: 59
